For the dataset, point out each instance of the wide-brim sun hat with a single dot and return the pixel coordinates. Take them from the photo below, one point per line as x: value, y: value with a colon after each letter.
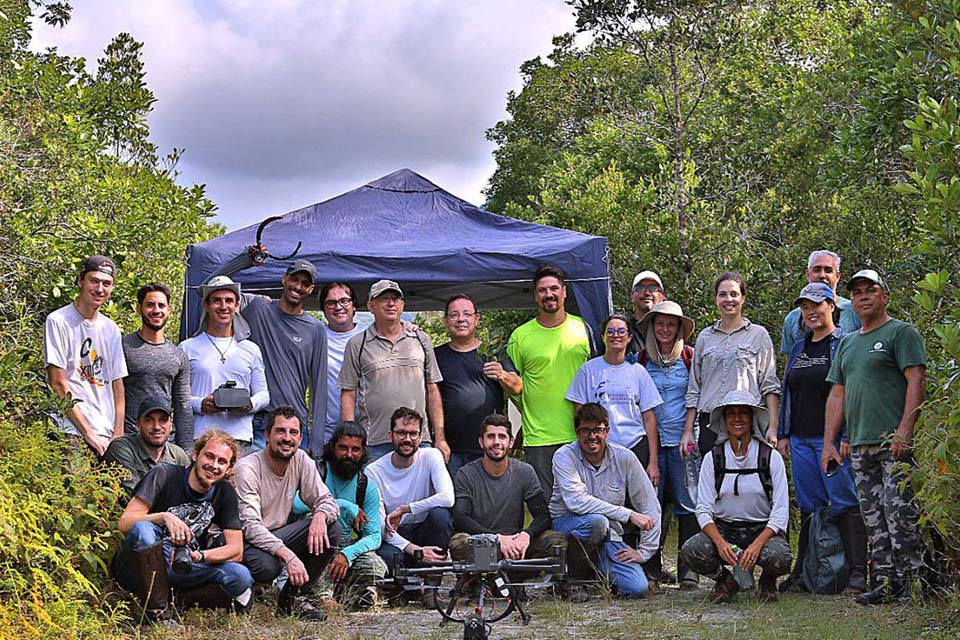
x: 668, y: 308
x: 761, y: 418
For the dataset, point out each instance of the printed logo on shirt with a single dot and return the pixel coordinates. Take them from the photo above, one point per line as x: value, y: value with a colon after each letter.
x: 91, y: 364
x: 296, y: 339
x: 878, y: 348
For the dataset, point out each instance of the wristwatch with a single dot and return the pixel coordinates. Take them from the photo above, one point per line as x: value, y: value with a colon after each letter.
x: 203, y: 556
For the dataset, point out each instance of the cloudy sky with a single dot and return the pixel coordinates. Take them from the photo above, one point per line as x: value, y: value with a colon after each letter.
x: 285, y: 103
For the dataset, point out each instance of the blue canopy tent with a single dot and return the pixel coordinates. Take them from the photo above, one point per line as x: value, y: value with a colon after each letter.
x: 406, y: 228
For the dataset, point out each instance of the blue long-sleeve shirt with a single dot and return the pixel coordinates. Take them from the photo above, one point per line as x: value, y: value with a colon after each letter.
x: 345, y: 493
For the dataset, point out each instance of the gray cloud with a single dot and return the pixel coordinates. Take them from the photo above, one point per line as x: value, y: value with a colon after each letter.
x: 283, y: 104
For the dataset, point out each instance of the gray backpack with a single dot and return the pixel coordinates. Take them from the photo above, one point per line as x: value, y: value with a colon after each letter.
x: 825, y: 568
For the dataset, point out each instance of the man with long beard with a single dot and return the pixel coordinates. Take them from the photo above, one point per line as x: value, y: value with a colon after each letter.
x: 156, y: 368
x: 267, y: 482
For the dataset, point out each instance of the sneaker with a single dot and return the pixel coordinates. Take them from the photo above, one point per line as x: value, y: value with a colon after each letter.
x: 888, y: 591
x: 725, y: 588
x: 368, y: 599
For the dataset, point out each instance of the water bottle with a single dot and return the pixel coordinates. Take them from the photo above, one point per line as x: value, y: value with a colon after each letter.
x: 743, y: 577
x: 691, y: 472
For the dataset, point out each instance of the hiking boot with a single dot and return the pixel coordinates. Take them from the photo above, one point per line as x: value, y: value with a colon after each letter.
x: 725, y: 588
x: 153, y: 591
x: 767, y: 590
x: 888, y: 591
x: 792, y: 584
x: 572, y: 592
x: 662, y: 576
x: 653, y: 587
x: 689, y: 584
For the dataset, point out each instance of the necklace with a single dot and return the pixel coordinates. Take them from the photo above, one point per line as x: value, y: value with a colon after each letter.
x: 223, y: 354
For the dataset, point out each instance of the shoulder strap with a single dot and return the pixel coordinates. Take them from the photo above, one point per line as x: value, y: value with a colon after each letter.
x: 361, y: 488
x: 687, y: 355
x: 642, y: 358
x: 763, y: 469
x: 719, y: 466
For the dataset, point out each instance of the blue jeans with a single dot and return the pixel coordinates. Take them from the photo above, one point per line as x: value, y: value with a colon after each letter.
x: 672, y: 473
x: 626, y: 578
x: 458, y: 459
x: 232, y: 577
x: 812, y: 486
x: 435, y: 531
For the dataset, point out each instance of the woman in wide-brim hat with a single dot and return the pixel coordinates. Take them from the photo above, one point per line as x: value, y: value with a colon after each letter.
x: 742, y: 502
x: 667, y: 358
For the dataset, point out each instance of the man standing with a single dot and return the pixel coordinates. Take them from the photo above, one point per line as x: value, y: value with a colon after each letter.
x: 546, y: 352
x: 172, y: 508
x: 490, y: 494
x: 357, y: 567
x: 267, y: 482
x: 388, y: 366
x: 84, y: 359
x: 594, y: 478
x: 140, y: 452
x: 293, y: 344
x: 416, y: 493
x: 647, y: 291
x: 473, y: 384
x: 217, y: 355
x: 155, y: 366
x: 339, y: 308
x: 822, y: 266
x: 877, y: 378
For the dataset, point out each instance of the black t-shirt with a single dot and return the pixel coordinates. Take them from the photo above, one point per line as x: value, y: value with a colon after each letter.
x: 165, y: 488
x: 468, y: 396
x: 808, y: 388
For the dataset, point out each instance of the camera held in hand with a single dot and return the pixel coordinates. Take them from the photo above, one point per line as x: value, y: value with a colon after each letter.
x: 182, y: 562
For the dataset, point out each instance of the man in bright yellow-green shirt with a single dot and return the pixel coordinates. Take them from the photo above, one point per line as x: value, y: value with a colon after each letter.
x: 546, y: 352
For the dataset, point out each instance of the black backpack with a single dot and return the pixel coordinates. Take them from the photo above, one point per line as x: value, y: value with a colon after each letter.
x: 762, y: 469
x: 361, y: 483
x: 825, y: 568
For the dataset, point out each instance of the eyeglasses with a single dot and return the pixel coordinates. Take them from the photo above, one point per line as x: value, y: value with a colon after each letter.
x: 619, y: 331
x: 343, y: 302
x: 466, y: 315
x: 592, y: 431
x: 406, y: 435
x: 648, y: 287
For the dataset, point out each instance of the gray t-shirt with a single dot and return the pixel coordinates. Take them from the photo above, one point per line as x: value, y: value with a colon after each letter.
x: 157, y: 370
x: 497, y: 503
x: 294, y: 349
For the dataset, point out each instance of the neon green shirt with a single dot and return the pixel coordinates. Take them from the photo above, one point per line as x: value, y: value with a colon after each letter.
x: 546, y: 360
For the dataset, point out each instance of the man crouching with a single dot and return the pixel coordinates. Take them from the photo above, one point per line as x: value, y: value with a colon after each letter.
x: 166, y: 543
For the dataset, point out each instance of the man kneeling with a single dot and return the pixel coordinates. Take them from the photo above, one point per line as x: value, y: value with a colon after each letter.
x: 489, y: 495
x: 267, y: 482
x: 593, y: 478
x: 166, y: 541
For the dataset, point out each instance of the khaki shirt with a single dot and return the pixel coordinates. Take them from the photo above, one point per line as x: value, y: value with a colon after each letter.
x: 130, y: 453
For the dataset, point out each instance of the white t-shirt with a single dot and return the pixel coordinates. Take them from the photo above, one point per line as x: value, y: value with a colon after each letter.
x: 625, y: 391
x: 423, y: 485
x: 336, y: 343
x: 91, y: 352
x: 244, y: 364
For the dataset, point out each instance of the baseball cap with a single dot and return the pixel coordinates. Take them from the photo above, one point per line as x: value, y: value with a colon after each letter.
x: 103, y: 264
x: 304, y: 266
x: 381, y: 286
x: 816, y: 292
x: 646, y: 275
x: 154, y: 403
x: 867, y: 274
x: 217, y: 283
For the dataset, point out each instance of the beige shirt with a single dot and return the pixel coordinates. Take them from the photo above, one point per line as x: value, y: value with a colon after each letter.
x: 742, y: 360
x: 266, y: 498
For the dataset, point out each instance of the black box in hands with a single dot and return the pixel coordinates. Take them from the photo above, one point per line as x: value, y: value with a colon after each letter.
x: 230, y: 396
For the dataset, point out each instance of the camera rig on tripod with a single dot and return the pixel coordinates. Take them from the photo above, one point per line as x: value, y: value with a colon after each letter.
x: 486, y: 575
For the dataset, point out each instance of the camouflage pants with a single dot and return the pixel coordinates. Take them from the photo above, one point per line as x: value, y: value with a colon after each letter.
x: 889, y: 513
x: 700, y: 554
x: 365, y: 569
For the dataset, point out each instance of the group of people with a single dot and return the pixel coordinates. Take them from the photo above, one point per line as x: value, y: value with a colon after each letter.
x: 322, y: 456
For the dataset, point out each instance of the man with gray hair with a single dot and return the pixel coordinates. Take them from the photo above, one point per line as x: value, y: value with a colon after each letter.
x: 822, y: 266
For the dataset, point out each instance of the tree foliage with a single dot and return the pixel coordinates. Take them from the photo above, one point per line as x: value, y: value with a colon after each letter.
x: 78, y: 176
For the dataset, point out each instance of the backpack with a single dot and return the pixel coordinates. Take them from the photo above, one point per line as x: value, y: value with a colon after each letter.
x: 686, y: 354
x: 361, y: 483
x: 762, y: 469
x: 825, y: 568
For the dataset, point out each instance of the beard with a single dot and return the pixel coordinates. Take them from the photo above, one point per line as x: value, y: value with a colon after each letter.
x: 149, y: 324
x: 344, y: 467
x: 494, y: 456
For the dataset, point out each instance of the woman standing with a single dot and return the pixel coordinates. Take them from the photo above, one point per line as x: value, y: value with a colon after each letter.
x: 667, y: 359
x: 732, y: 354
x: 805, y: 391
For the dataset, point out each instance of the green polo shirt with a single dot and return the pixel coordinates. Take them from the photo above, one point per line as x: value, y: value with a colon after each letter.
x: 130, y: 453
